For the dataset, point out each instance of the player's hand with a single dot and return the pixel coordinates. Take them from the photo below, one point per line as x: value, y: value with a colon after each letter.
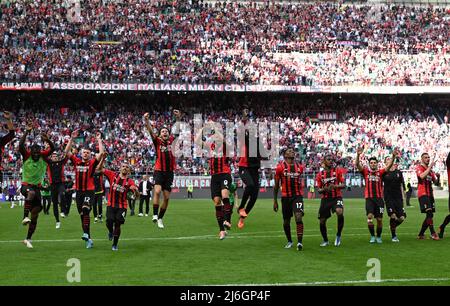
x: 74, y: 134
x: 331, y: 187
x: 360, y: 150
x: 45, y: 137
x: 275, y: 205
x: 396, y: 153
x: 146, y: 116
x: 29, y: 126
x: 433, y: 162
x: 177, y: 113
x: 7, y: 115
x: 98, y: 136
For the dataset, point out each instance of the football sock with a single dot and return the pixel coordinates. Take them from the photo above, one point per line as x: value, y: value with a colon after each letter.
x: 323, y: 231
x: 219, y: 217
x: 227, y: 209
x: 300, y: 231
x: 162, y: 212
x: 340, y: 224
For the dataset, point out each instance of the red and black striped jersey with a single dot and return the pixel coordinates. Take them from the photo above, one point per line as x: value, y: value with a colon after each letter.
x: 291, y: 179
x: 424, y: 186
x: 3, y: 142
x: 325, y: 178
x: 165, y: 160
x: 374, y: 183
x: 244, y: 157
x: 55, y: 170
x: 119, y: 189
x: 84, y: 173
x: 218, y: 165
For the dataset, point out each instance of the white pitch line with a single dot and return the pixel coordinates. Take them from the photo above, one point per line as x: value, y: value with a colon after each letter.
x: 231, y: 236
x: 399, y: 280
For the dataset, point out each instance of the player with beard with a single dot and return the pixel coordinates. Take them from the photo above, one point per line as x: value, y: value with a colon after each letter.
x: 84, y: 183
x: 330, y: 183
x: 33, y: 174
x: 374, y: 192
x: 164, y: 166
x: 288, y: 176
x: 394, y: 193
x: 117, y: 206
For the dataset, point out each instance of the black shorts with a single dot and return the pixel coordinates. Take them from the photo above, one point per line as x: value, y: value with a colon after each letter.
x: 116, y: 215
x: 37, y: 200
x: 426, y: 202
x: 84, y: 198
x: 375, y: 206
x: 395, y: 206
x: 250, y: 177
x: 291, y: 206
x: 328, y: 206
x: 164, y: 179
x: 220, y: 182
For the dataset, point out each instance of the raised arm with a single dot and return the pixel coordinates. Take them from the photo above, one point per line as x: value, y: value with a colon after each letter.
x: 101, y: 147
x: 28, y: 130
x: 176, y: 127
x: 8, y: 137
x: 68, y: 149
x: 101, y: 163
x: 148, y: 126
x: 46, y: 139
x: 395, y: 154
x: 358, y: 165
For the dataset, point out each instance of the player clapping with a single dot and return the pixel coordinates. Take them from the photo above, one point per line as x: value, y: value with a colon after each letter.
x: 116, y: 209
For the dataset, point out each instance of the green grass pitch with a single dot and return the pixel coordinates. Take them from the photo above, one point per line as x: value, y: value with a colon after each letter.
x: 188, y: 251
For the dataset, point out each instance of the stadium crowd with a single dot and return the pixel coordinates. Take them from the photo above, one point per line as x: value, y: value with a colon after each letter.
x: 194, y: 42
x: 414, y: 124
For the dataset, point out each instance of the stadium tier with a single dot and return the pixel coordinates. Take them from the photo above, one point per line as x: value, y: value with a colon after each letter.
x: 191, y: 42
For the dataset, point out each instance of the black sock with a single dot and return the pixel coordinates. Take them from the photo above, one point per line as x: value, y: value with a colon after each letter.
x: 371, y: 228
x: 252, y: 201
x: 219, y: 217
x: 287, y: 230
x: 445, y: 223
x: 109, y: 225
x: 155, y: 209
x: 31, y: 228
x: 300, y: 231
x: 430, y: 222
x: 393, y: 225
x: 116, y: 233
x: 26, y: 208
x: 424, y: 227
x: 162, y: 211
x: 245, y: 197
x: 323, y: 231
x: 227, y: 210
x: 340, y: 225
x: 379, y: 231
